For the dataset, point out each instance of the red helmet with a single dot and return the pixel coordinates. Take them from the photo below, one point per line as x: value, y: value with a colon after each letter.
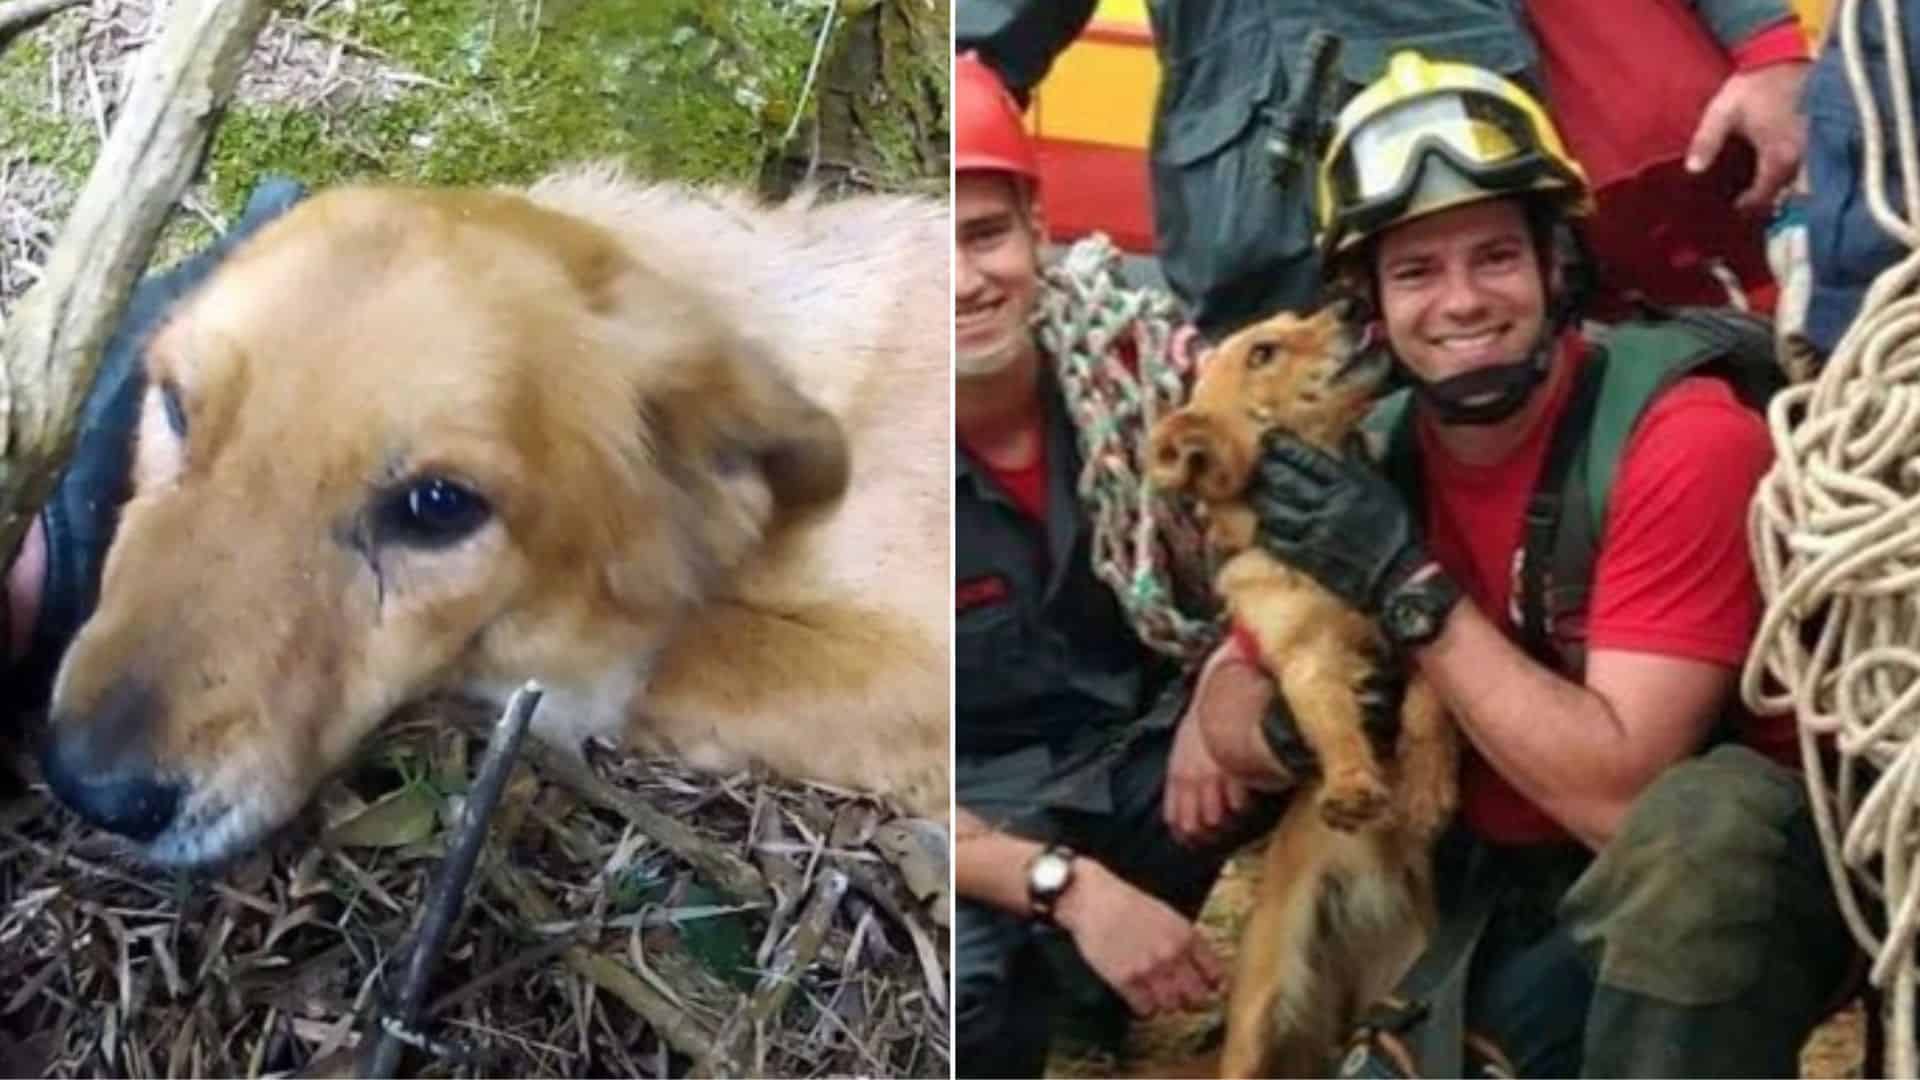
x: 987, y: 133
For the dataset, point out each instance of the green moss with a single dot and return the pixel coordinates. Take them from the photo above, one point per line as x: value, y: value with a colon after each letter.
x: 696, y: 90
x: 28, y: 127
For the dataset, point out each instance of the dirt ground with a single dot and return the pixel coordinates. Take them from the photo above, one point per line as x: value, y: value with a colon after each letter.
x: 1178, y: 1046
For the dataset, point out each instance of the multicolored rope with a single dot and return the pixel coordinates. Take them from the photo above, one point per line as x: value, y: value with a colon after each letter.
x: 1122, y: 360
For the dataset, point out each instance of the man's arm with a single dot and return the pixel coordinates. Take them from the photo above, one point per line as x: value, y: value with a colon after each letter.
x: 1733, y: 23
x: 1583, y: 753
x: 1760, y: 101
x: 1145, y: 950
x: 1019, y: 38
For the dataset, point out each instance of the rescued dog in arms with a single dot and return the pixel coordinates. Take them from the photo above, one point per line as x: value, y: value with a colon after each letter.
x: 1344, y: 902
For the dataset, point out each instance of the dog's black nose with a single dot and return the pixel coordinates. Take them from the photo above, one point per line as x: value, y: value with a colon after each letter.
x: 134, y: 804
x: 99, y: 764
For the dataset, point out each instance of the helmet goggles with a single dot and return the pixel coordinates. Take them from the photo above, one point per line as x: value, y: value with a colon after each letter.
x: 1379, y: 175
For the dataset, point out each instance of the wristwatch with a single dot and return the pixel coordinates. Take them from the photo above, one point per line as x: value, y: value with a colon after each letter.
x: 1416, y: 610
x: 1048, y: 875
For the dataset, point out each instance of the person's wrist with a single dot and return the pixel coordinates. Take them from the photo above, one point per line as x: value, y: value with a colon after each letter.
x: 1405, y: 565
x: 1415, y: 612
x: 1070, y: 908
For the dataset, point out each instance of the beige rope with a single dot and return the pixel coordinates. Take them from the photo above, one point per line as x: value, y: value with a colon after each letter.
x: 1835, y: 529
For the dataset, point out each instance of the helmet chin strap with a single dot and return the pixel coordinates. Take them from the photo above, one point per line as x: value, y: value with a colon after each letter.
x: 1485, y: 395
x: 1491, y: 394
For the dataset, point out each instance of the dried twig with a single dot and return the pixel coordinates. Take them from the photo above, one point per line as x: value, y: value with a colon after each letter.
x: 729, y: 872
x: 674, y: 1024
x: 449, y: 889
x: 730, y: 1046
x: 52, y: 346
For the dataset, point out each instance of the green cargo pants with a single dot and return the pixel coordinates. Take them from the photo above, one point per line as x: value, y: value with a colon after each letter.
x: 1710, y: 926
x: 1704, y: 940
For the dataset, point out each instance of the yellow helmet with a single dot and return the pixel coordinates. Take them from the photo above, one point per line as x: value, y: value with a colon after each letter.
x: 1430, y: 135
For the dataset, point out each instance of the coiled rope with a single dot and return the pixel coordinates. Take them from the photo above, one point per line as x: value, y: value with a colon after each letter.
x: 1123, y: 363
x: 1835, y: 529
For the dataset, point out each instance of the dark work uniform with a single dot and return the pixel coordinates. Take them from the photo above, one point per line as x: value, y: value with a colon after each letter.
x: 1064, y: 726
x: 1847, y: 246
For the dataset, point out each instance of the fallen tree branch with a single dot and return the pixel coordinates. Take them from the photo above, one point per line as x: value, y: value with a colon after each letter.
x: 20, y: 16
x: 448, y: 893
x: 53, y: 341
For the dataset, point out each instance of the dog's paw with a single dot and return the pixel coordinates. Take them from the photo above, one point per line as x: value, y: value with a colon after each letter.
x: 1353, y: 801
x: 1427, y: 809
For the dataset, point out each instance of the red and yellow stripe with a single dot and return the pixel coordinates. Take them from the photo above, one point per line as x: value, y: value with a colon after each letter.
x: 1090, y: 118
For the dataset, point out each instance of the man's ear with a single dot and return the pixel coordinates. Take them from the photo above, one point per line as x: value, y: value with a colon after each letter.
x: 734, y: 416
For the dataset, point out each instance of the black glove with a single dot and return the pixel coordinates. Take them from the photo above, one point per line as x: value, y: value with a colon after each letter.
x: 1380, y: 697
x: 1336, y: 519
x: 79, y: 519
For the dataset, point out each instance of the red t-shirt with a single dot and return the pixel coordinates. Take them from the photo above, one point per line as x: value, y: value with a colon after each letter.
x: 1026, y: 485
x: 1673, y: 575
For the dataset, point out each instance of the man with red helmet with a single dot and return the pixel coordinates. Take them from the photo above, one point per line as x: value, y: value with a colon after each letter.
x: 1069, y: 849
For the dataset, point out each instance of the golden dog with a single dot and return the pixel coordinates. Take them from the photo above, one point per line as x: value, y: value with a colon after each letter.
x: 673, y: 453
x: 1345, y: 899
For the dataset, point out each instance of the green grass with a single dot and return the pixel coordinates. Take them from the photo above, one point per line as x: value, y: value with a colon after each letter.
x: 502, y: 91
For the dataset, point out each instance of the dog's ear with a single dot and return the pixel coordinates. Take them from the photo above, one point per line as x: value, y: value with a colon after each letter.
x: 1190, y: 450
x: 733, y: 416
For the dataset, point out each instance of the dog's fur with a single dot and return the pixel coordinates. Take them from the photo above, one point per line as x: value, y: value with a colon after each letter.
x: 709, y: 433
x: 1345, y: 900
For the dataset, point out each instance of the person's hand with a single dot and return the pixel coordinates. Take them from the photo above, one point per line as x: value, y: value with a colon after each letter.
x: 1202, y: 797
x: 1762, y: 107
x: 1145, y: 950
x: 1335, y: 519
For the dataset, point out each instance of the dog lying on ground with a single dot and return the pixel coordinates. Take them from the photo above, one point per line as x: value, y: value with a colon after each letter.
x: 1344, y: 903
x: 675, y: 454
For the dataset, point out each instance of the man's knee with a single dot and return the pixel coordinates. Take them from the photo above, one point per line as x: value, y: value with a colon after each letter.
x: 1682, y: 903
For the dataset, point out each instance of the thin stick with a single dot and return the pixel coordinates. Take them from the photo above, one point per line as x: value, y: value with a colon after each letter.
x: 449, y: 889
x: 731, y: 873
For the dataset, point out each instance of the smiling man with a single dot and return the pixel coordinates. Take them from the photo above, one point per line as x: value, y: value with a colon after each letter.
x: 1089, y: 829
x: 1557, y: 542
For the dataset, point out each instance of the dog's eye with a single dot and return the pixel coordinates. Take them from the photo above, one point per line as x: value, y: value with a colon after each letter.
x: 1261, y: 355
x: 176, y: 413
x: 431, y: 512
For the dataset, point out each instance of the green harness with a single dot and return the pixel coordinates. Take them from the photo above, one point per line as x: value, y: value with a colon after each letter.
x: 1633, y: 364
x: 1420, y: 1029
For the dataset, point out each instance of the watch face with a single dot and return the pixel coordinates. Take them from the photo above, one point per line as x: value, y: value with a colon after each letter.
x: 1403, y: 619
x: 1050, y: 872
x: 1417, y: 620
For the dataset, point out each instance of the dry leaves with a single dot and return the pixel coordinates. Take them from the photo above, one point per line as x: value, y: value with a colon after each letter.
x: 587, y: 948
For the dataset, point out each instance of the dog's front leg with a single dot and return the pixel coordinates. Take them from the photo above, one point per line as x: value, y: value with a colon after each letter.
x: 1316, y: 677
x: 1428, y: 754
